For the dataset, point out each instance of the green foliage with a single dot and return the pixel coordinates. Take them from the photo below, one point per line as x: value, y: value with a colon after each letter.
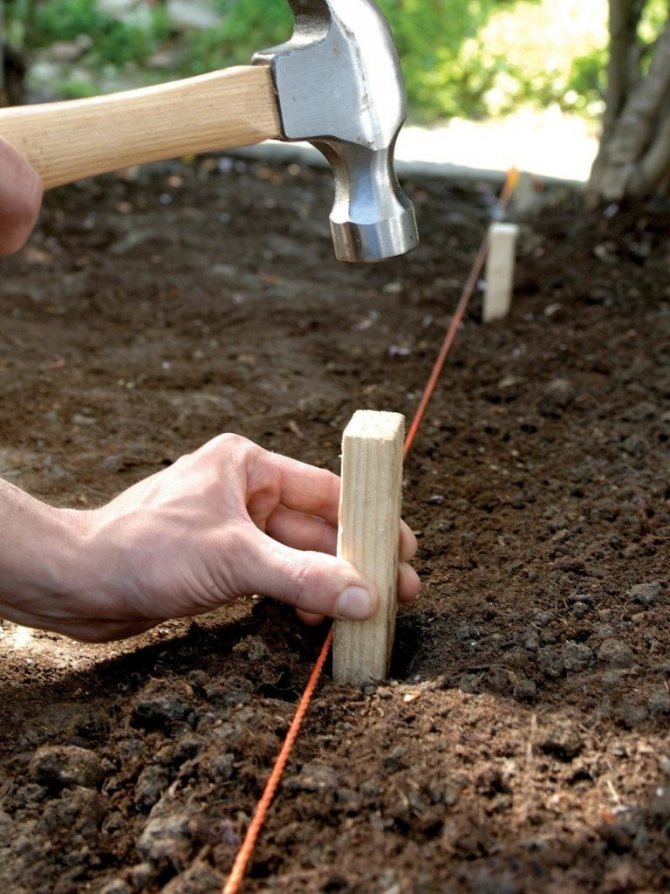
x: 460, y: 57
x: 115, y: 43
x: 247, y: 26
x: 429, y: 36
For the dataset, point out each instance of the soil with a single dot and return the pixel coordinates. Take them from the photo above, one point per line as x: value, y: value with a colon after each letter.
x: 522, y: 742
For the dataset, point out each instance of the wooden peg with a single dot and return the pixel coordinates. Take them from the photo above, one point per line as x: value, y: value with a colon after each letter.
x: 499, y: 271
x: 369, y: 528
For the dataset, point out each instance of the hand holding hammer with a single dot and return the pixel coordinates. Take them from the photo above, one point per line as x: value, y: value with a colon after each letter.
x: 336, y: 83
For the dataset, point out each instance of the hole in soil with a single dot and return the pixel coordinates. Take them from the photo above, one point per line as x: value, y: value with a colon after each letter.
x: 415, y: 637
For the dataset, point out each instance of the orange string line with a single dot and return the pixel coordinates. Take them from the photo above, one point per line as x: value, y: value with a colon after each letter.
x: 246, y: 850
x: 248, y: 845
x: 511, y: 181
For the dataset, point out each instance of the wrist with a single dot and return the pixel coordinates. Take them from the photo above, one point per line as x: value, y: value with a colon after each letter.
x: 41, y: 558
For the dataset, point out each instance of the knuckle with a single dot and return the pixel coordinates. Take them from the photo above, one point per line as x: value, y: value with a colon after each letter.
x: 308, y: 585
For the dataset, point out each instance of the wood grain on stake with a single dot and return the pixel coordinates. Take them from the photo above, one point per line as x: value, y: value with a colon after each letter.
x: 370, y: 505
x: 68, y: 140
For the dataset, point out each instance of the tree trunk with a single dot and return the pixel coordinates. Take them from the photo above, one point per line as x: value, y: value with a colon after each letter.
x: 634, y: 156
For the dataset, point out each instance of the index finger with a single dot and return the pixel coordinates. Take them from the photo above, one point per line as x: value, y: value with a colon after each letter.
x: 302, y: 487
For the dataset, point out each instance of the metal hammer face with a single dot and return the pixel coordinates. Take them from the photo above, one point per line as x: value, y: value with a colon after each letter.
x: 340, y: 86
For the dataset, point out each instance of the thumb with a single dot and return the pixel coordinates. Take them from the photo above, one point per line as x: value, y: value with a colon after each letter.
x: 313, y: 582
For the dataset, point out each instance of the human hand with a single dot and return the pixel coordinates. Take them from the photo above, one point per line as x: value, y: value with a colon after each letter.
x: 229, y: 520
x: 20, y: 199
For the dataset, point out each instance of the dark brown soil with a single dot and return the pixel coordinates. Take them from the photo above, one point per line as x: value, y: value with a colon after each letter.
x: 522, y: 744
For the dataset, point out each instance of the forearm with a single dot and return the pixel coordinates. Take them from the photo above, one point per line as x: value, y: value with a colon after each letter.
x: 39, y: 548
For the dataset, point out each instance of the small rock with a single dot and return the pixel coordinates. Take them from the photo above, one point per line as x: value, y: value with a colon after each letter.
x: 531, y: 641
x: 525, y: 690
x: 156, y: 709
x: 253, y: 647
x: 616, y: 653
x: 550, y: 663
x: 175, y: 753
x: 396, y: 760
x: 659, y: 702
x: 60, y: 766
x: 576, y: 656
x: 542, y: 618
x: 151, y: 783
x: 313, y: 777
x: 557, y: 396
x: 579, y: 609
x: 168, y: 838
x: 114, y: 463
x: 79, y: 810
x: 82, y: 419
x: 222, y: 767
x: 562, y: 743
x: 630, y: 714
x: 471, y: 683
x: 646, y: 594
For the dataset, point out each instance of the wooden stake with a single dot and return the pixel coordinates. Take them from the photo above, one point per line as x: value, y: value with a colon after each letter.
x: 499, y: 271
x: 369, y: 528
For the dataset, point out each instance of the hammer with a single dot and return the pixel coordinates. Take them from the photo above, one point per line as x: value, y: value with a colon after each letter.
x: 337, y: 83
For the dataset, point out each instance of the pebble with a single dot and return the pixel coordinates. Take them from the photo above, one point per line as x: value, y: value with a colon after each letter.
x: 576, y: 656
x: 313, y: 777
x: 59, y: 766
x: 525, y: 690
x: 659, y: 702
x: 152, y: 711
x: 616, y: 653
x: 543, y: 618
x: 222, y: 767
x: 175, y: 753
x: 646, y: 594
x: 531, y: 641
x: 254, y: 648
x: 151, y: 783
x: 579, y: 609
x: 550, y: 663
x: 168, y: 838
x: 557, y: 396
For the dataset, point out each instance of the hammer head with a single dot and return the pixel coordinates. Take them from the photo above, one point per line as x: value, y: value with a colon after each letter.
x: 340, y: 86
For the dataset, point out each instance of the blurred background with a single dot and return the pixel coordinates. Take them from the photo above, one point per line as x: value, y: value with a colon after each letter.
x: 516, y: 68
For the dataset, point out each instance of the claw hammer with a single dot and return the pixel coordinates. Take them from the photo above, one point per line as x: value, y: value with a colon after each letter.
x: 336, y: 82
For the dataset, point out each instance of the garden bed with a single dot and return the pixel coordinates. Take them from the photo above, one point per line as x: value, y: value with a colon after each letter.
x: 521, y: 745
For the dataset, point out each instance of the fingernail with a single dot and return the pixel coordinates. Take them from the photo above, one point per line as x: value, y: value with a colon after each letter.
x: 355, y: 604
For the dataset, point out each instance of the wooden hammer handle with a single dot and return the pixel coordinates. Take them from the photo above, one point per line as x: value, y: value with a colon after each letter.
x: 65, y: 141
